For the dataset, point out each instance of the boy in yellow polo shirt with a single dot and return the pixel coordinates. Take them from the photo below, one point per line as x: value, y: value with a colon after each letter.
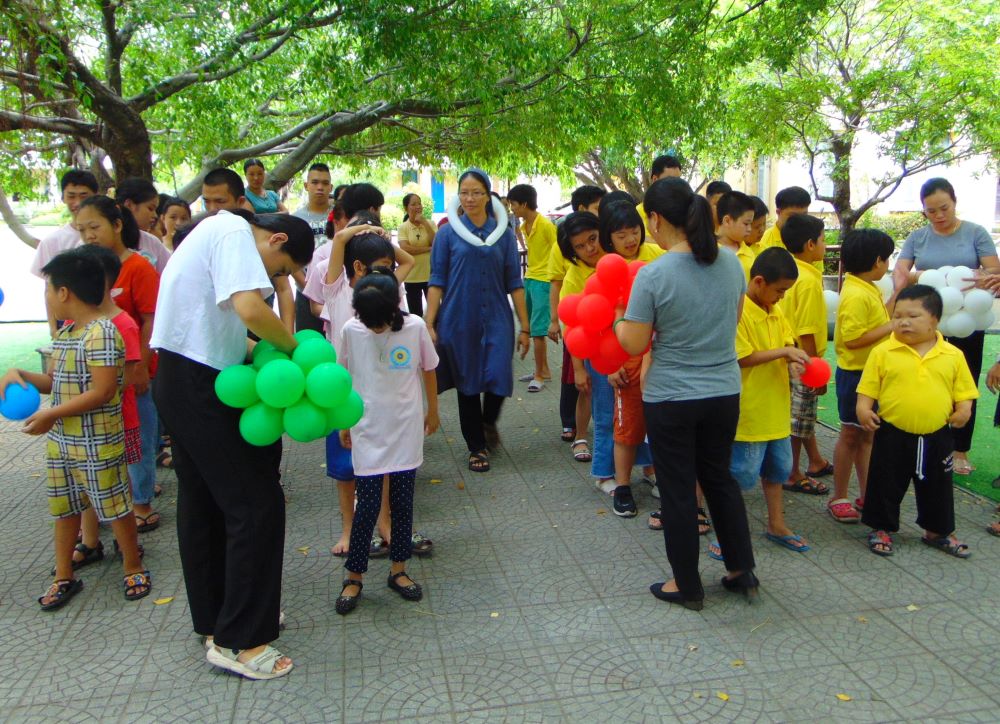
x: 765, y: 350
x: 805, y: 309
x: 924, y: 389
x: 539, y: 238
x: 736, y: 213
x: 862, y: 323
x: 787, y: 202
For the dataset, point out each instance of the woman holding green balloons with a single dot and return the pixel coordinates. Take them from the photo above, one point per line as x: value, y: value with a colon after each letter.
x: 230, y: 508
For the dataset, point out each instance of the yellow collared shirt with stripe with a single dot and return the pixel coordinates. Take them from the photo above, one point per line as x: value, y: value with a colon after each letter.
x: 805, y: 307
x: 861, y: 310
x: 540, y: 241
x: 766, y: 397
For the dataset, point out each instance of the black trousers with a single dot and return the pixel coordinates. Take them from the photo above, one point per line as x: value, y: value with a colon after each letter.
x: 415, y: 293
x: 230, y: 509
x: 568, y: 395
x: 304, y: 318
x: 972, y: 348
x: 474, y: 411
x: 899, y: 457
x: 691, y: 442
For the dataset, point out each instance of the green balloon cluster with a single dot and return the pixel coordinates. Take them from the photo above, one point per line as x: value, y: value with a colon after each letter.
x: 307, y: 395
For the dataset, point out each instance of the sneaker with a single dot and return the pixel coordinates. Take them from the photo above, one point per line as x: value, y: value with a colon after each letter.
x: 624, y: 505
x: 653, y: 490
x: 606, y: 485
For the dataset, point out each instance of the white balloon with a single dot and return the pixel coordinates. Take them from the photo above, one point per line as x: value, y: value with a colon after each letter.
x: 957, y: 277
x: 945, y: 269
x: 978, y: 301
x: 933, y: 278
x: 885, y: 286
x: 952, y: 299
x: 944, y: 326
x: 985, y: 321
x: 961, y: 324
x: 832, y: 301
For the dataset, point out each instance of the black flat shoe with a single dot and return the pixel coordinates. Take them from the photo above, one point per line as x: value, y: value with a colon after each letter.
x: 346, y: 604
x: 413, y: 592
x: 688, y: 602
x: 746, y: 583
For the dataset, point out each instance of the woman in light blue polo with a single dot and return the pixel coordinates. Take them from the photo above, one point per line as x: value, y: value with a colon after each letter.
x: 264, y: 201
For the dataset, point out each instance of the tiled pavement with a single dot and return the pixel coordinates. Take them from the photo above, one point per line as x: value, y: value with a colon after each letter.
x: 536, y: 609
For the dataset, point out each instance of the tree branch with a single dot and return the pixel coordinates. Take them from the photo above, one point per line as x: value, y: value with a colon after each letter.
x: 14, y: 121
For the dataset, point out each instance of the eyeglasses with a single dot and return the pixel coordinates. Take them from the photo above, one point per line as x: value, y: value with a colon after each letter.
x: 471, y: 194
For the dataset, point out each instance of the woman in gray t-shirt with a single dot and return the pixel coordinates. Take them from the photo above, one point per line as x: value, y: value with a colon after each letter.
x: 949, y: 241
x: 691, y: 298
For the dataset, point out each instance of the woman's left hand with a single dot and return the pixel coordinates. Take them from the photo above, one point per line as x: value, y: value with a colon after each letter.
x: 523, y: 343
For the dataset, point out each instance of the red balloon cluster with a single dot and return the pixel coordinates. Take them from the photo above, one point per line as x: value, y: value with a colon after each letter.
x: 588, y: 316
x: 816, y: 373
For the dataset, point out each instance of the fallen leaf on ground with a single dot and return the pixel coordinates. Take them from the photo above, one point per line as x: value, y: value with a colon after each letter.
x: 862, y: 619
x: 602, y: 511
x: 738, y: 662
x: 304, y: 550
x: 460, y: 485
x: 435, y: 481
x: 844, y: 697
x: 722, y: 695
x: 161, y: 601
x: 913, y: 607
x: 495, y: 614
x: 698, y: 695
x: 692, y: 647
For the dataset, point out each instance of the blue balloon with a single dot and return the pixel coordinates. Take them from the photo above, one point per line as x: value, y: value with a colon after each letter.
x: 18, y: 402
x: 1, y: 297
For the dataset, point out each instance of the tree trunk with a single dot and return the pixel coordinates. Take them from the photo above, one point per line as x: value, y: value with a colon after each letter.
x: 131, y: 154
x: 841, y: 178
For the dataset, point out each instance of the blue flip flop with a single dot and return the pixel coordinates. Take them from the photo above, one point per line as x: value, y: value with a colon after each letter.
x: 712, y: 554
x: 786, y: 541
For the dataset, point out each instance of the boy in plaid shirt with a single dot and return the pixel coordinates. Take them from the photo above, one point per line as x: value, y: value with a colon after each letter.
x: 85, y: 454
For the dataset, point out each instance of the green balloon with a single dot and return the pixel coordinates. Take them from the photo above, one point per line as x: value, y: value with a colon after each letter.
x: 236, y: 386
x: 268, y: 355
x: 280, y: 383
x: 261, y: 347
x: 305, y: 334
x: 328, y: 384
x: 346, y: 415
x: 313, y: 352
x: 304, y: 421
x: 261, y: 425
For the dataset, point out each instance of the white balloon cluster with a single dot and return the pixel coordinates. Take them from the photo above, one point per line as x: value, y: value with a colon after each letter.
x: 832, y: 300
x: 963, y: 312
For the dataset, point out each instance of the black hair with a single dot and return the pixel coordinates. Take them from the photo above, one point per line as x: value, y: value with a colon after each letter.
x: 364, y: 217
x: 524, y: 194
x: 573, y: 224
x: 226, y: 177
x: 774, y: 264
x: 733, y: 204
x: 861, y: 248
x: 615, y: 197
x: 794, y: 197
x: 934, y: 185
x: 137, y: 190
x: 759, y: 207
x: 618, y: 216
x: 337, y: 212
x: 376, y: 300
x: 478, y: 176
x: 318, y: 166
x: 585, y: 196
x: 337, y: 189
x: 674, y: 201
x: 78, y: 177
x: 301, y: 242
x: 169, y: 202
x: 662, y: 163
x: 367, y: 249
x: 927, y: 296
x: 800, y: 229
x: 406, y: 202
x: 114, y: 211
x: 250, y: 163
x: 717, y: 187
x: 109, y: 261
x: 79, y: 272
x: 361, y: 197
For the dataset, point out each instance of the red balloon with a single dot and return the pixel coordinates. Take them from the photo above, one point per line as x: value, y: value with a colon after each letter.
x: 579, y: 343
x: 595, y: 312
x: 595, y: 286
x: 612, y: 270
x: 634, y: 267
x: 606, y: 367
x: 567, y: 309
x: 816, y: 373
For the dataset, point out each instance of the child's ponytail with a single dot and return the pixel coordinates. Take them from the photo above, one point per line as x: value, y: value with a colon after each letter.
x: 376, y: 300
x: 130, y: 228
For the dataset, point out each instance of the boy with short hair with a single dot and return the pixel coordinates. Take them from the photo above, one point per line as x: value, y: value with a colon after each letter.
x: 736, y: 212
x: 539, y: 238
x: 765, y: 350
x: 805, y: 309
x: 86, y: 445
x: 787, y: 202
x: 924, y: 389
x: 759, y: 224
x: 862, y: 323
x: 713, y: 192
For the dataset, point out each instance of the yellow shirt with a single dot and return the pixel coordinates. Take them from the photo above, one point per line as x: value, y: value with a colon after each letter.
x: 914, y: 393
x: 766, y: 398
x: 558, y: 265
x: 576, y: 277
x: 416, y: 236
x: 805, y: 307
x: 861, y: 310
x: 649, y: 251
x: 540, y: 241
x: 745, y: 255
x: 645, y: 219
x: 772, y: 237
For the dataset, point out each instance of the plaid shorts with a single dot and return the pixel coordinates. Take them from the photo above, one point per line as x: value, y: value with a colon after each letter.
x: 74, y: 485
x: 805, y: 402
x: 133, y: 446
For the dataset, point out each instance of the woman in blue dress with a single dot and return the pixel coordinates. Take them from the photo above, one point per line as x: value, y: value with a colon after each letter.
x: 264, y: 201
x: 474, y: 267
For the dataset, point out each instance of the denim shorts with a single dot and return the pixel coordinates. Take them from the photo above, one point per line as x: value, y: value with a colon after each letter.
x: 847, y: 395
x: 770, y: 460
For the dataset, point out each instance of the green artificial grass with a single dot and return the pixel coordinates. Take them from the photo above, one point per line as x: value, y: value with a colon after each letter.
x: 18, y: 343
x: 985, y: 453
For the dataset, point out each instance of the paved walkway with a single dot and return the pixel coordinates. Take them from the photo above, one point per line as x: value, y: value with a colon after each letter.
x: 536, y: 609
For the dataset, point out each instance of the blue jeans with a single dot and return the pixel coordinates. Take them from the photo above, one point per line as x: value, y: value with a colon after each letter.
x: 143, y: 473
x: 602, y: 410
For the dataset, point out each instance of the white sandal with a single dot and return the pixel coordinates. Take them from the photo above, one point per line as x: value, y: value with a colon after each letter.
x: 209, y: 641
x: 260, y: 666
